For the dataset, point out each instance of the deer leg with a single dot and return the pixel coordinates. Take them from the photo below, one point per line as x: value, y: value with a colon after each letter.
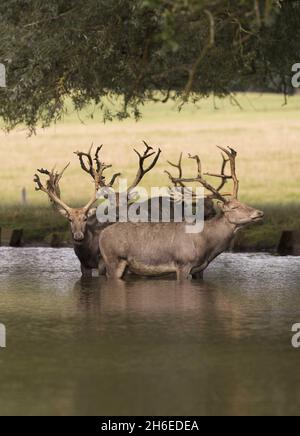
x: 198, y: 273
x: 115, y: 270
x: 101, y: 268
x: 183, y: 273
x: 86, y: 272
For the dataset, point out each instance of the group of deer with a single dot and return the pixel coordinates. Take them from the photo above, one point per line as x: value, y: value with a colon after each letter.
x: 151, y: 249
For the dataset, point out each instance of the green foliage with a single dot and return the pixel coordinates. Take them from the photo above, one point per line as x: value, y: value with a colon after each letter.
x: 92, y: 49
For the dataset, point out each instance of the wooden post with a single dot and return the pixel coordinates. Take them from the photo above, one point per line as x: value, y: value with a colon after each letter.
x: 289, y: 244
x: 16, y: 239
x: 24, y: 197
x: 0, y: 236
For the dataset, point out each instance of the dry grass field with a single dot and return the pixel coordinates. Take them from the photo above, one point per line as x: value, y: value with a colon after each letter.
x: 263, y: 131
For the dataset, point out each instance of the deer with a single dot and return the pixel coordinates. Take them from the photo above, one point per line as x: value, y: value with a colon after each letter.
x: 86, y: 163
x: 83, y: 223
x: 155, y: 249
x: 85, y: 227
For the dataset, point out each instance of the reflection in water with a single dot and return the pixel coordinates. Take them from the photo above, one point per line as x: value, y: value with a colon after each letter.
x: 149, y: 347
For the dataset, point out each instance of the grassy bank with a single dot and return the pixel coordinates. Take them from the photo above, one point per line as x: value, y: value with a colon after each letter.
x: 265, y: 133
x: 40, y: 223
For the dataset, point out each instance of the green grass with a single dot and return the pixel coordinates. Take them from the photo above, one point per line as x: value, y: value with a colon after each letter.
x: 38, y: 223
x: 264, y: 132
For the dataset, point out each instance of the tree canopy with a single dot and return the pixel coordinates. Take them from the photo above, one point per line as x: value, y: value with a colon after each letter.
x: 141, y: 50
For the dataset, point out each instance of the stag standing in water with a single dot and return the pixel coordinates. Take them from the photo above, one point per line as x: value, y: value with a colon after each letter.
x: 152, y: 249
x: 85, y: 227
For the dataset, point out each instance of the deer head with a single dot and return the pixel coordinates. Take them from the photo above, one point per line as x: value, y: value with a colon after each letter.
x: 236, y: 213
x: 78, y: 217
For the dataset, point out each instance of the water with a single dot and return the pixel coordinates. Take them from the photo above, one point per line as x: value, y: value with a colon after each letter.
x: 151, y: 347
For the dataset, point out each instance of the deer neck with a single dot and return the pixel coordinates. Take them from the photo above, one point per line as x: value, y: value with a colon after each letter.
x: 221, y: 234
x: 229, y: 225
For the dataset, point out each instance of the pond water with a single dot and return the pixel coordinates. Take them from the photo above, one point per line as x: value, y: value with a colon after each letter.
x: 148, y: 347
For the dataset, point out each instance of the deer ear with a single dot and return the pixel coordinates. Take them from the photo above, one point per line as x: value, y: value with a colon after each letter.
x: 91, y: 212
x: 63, y: 212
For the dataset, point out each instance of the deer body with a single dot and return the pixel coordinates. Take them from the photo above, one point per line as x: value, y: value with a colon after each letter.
x: 155, y: 249
x: 152, y: 249
x: 87, y: 249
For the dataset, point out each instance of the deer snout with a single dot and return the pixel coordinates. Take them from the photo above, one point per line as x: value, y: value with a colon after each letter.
x: 78, y: 236
x: 257, y: 215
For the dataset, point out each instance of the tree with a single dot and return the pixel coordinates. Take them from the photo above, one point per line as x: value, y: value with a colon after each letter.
x: 89, y: 50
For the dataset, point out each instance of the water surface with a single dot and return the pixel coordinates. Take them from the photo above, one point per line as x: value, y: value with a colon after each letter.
x: 151, y: 347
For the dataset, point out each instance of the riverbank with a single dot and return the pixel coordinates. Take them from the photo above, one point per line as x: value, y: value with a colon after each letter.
x: 41, y: 223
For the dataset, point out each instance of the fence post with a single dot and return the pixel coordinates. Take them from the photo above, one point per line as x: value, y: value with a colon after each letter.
x: 289, y: 244
x: 16, y: 239
x: 24, y: 197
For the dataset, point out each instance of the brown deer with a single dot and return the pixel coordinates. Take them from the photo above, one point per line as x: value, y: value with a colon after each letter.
x: 86, y: 163
x: 152, y: 249
x: 85, y: 227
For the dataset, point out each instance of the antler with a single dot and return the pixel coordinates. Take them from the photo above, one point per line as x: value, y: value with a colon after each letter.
x: 231, y: 158
x: 54, y: 179
x: 216, y: 191
x: 95, y: 172
x: 95, y: 168
x: 178, y: 166
x: 178, y: 183
x: 52, y: 186
x: 142, y: 158
x: 232, y: 154
x: 202, y: 181
x: 181, y: 181
x: 222, y: 175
